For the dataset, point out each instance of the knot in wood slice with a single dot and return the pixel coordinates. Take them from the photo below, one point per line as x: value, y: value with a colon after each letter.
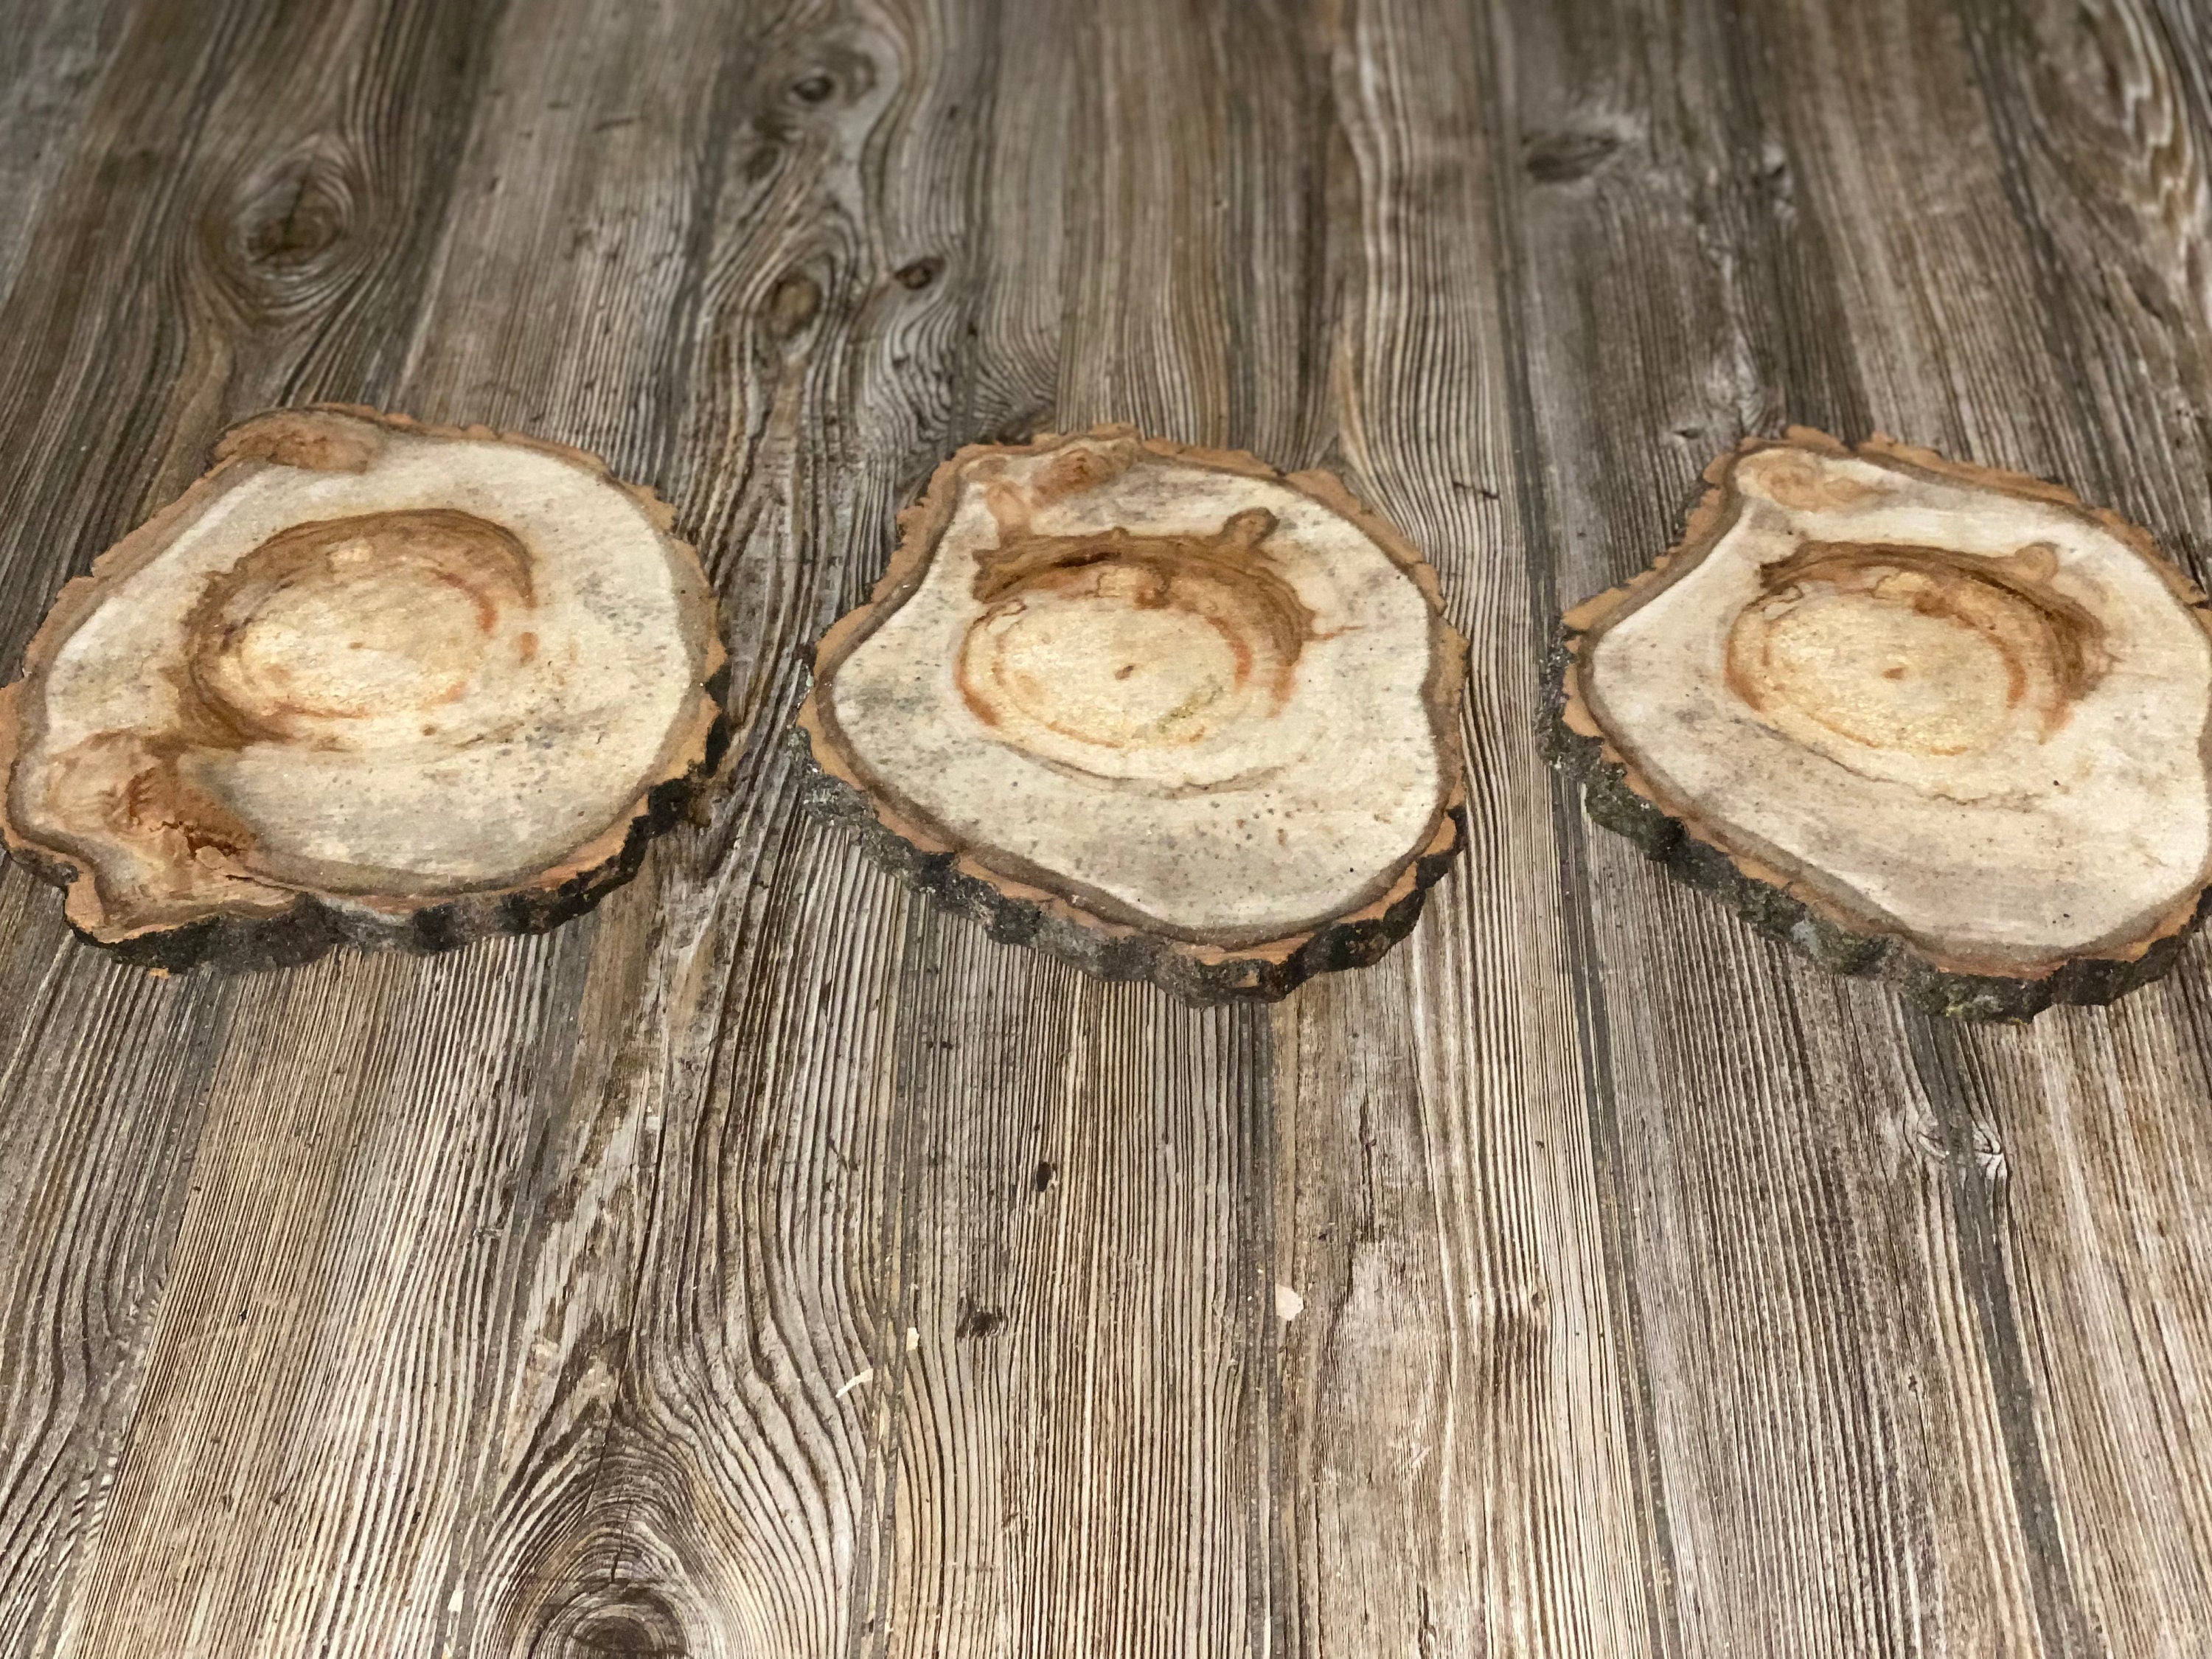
x: 1914, y: 715
x: 1162, y: 710
x: 366, y: 679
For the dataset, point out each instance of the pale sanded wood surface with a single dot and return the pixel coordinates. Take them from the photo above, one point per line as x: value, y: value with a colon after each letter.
x: 771, y: 1266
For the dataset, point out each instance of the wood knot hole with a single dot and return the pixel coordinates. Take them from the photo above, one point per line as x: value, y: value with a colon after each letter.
x: 1561, y: 158
x: 296, y: 220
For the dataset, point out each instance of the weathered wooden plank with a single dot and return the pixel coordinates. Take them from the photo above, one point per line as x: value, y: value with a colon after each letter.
x: 599, y: 214
x: 2099, y: 143
x: 2037, y: 300
x: 2089, y: 1139
x: 51, y: 52
x: 676, y: 1469
x: 1083, y: 1452
x: 1834, y: 1455
x: 1082, y: 1460
x: 289, y: 1478
x: 106, y: 1073
x: 772, y: 1264
x: 1463, y: 1467
x: 2100, y: 140
x: 182, y: 279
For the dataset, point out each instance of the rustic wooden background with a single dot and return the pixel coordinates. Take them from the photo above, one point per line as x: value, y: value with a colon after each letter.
x: 771, y: 1267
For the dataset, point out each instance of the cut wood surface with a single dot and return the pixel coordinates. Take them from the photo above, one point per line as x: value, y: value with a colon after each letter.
x: 1910, y: 714
x: 772, y: 1262
x: 366, y: 680
x: 1157, y: 709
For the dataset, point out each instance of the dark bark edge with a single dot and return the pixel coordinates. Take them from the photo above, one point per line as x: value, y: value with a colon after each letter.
x: 315, y: 925
x: 313, y: 437
x: 1667, y: 842
x: 1124, y: 953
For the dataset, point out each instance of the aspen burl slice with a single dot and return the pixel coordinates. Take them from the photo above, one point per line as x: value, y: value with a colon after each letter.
x: 366, y: 680
x: 1921, y: 718
x: 1163, y: 711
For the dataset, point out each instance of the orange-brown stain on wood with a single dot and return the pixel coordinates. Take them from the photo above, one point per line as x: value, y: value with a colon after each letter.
x: 1246, y: 613
x: 2049, y: 648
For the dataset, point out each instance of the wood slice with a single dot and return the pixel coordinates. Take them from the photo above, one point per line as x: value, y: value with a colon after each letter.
x: 1920, y: 718
x: 1162, y: 711
x: 366, y: 680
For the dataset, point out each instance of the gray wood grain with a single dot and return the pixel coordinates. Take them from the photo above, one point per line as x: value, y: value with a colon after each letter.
x: 1466, y: 1444
x: 51, y: 54
x: 769, y: 1264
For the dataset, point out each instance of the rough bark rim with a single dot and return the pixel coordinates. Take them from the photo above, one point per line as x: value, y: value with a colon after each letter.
x: 1845, y: 938
x: 1092, y: 928
x: 312, y: 920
